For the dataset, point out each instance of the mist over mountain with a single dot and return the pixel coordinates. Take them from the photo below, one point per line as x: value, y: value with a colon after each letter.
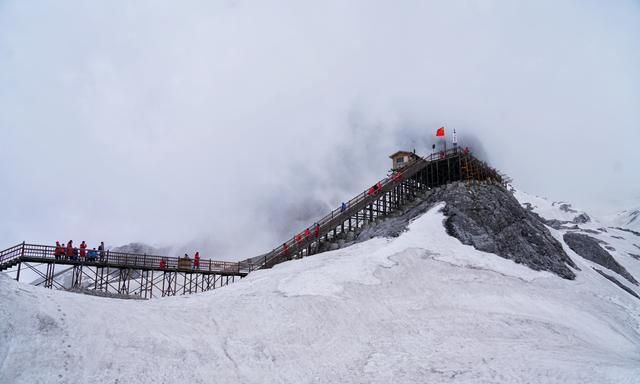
x: 230, y: 128
x: 205, y: 124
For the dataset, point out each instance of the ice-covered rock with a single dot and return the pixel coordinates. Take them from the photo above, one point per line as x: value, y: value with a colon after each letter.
x: 589, y: 248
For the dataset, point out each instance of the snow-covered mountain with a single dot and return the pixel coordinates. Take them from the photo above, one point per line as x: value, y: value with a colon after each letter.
x: 412, y: 299
x: 141, y: 249
x: 626, y: 219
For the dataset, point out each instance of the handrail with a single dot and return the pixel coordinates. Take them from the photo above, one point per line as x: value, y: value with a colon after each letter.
x: 11, y: 253
x: 134, y: 260
x: 397, y: 178
x: 325, y: 224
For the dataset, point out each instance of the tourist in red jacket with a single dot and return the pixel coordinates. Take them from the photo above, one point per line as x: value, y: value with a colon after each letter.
x: 70, y: 249
x: 59, y: 250
x: 83, y: 249
x: 196, y: 261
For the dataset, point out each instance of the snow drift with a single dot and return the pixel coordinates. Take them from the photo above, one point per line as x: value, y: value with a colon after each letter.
x: 420, y: 307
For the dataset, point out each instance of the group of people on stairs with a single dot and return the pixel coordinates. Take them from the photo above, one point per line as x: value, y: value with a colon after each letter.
x: 396, y: 176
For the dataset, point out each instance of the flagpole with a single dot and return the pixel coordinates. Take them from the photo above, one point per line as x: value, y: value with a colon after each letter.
x: 455, y: 140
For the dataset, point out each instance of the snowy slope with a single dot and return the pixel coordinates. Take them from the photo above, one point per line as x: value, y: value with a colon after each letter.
x: 622, y: 244
x: 626, y: 219
x: 418, y: 308
x: 551, y: 210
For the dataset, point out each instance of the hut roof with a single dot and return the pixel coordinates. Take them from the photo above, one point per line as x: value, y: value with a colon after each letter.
x: 403, y: 153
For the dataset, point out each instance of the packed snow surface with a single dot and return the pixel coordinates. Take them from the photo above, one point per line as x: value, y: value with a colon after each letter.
x: 421, y: 307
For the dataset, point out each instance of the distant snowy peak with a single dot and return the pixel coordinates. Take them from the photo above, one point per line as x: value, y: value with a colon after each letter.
x: 556, y: 212
x: 627, y: 219
x: 630, y: 217
x: 141, y: 249
x: 559, y: 214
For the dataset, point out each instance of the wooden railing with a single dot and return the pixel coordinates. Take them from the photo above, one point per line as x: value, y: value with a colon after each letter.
x: 11, y: 254
x: 325, y: 225
x: 338, y: 215
x: 46, y: 253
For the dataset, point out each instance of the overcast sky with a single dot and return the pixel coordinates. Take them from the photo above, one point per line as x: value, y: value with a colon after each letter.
x: 226, y: 125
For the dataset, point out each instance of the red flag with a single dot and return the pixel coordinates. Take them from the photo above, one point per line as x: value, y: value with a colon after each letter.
x: 440, y: 131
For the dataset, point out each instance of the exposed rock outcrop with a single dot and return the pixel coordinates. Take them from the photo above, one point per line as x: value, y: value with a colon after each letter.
x: 563, y: 224
x: 589, y: 248
x: 490, y: 219
x: 581, y: 218
x: 627, y: 230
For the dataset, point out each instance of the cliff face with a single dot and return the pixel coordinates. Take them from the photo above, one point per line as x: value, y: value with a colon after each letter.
x: 490, y: 219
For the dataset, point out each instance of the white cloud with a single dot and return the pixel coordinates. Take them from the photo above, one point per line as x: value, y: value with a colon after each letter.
x: 164, y: 122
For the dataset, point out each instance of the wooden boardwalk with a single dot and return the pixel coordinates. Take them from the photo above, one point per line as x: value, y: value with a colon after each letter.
x: 122, y: 273
x: 144, y: 276
x: 390, y: 195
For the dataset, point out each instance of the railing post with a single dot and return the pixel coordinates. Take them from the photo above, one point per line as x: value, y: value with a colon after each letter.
x: 22, y: 252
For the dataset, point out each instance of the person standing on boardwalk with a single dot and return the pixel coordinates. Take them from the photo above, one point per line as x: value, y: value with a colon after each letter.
x: 70, y: 250
x: 83, y: 250
x: 59, y: 251
x: 101, y: 250
x: 196, y: 261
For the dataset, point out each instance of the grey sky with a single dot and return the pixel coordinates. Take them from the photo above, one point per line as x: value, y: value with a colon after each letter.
x: 227, y: 125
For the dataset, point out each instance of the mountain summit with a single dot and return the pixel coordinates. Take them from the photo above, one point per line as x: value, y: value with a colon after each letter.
x: 466, y: 285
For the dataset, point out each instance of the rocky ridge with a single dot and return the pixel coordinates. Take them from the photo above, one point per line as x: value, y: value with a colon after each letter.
x: 489, y: 218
